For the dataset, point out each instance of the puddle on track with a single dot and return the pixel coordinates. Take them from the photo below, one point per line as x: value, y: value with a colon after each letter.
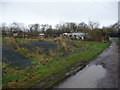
x: 86, y: 78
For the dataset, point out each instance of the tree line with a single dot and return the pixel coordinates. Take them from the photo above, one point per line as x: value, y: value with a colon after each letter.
x: 33, y: 30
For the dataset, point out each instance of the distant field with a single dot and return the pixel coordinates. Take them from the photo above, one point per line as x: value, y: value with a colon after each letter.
x: 49, y: 68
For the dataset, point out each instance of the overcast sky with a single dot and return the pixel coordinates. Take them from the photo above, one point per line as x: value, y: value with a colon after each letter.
x: 105, y: 13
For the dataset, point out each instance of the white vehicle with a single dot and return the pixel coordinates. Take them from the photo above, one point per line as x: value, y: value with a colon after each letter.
x: 78, y: 35
x: 41, y: 34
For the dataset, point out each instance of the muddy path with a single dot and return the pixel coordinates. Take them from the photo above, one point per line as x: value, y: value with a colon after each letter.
x: 102, y: 72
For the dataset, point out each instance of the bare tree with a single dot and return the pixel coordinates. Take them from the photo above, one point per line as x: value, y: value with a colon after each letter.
x: 44, y: 27
x: 16, y: 28
x: 82, y: 27
x: 93, y: 25
x: 34, y: 30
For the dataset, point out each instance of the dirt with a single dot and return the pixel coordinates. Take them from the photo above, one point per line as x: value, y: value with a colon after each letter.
x: 46, y: 46
x: 14, y: 58
x: 19, y: 60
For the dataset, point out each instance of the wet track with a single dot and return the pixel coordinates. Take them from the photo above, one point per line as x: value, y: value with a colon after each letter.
x: 100, y: 73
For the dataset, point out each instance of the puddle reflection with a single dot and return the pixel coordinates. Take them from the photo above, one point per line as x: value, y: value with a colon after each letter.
x: 86, y: 78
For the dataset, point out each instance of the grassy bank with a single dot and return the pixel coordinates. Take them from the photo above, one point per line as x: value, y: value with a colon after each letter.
x: 49, y: 69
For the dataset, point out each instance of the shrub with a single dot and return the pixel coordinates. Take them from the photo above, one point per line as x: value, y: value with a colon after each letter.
x: 52, y: 53
x: 98, y: 35
x: 58, y: 39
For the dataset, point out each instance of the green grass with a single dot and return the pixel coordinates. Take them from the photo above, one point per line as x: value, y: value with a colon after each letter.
x: 53, y: 65
x: 16, y: 40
